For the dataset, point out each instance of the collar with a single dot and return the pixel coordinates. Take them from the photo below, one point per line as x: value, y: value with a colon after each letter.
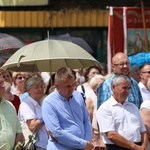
x: 2, y: 100
x: 35, y: 103
x: 114, y: 102
x: 142, y: 86
x: 62, y: 97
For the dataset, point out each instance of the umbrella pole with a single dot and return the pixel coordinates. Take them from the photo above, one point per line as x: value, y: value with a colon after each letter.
x: 48, y: 34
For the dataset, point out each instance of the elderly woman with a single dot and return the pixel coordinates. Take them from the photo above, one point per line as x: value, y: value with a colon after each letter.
x: 31, y: 113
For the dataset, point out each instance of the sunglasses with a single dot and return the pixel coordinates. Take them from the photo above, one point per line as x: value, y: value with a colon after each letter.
x: 20, y: 78
x: 146, y: 72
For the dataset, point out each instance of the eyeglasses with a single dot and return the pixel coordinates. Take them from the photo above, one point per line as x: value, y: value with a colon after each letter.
x: 39, y: 87
x: 122, y: 64
x: 20, y: 78
x: 146, y: 72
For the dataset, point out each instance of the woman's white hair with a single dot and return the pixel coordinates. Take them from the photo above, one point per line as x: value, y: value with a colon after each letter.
x: 32, y: 81
x: 93, y: 81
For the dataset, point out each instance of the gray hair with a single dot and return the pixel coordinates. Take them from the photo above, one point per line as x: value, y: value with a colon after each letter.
x: 119, y: 79
x: 32, y: 81
x: 93, y: 81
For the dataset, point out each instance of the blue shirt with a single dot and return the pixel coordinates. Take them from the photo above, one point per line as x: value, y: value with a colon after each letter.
x: 68, y: 121
x: 24, y: 96
x: 104, y: 92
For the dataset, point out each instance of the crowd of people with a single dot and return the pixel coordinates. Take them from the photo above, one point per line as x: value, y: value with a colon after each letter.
x: 77, y: 109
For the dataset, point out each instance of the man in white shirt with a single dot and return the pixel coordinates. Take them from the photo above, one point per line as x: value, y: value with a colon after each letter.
x: 120, y: 123
x: 144, y: 76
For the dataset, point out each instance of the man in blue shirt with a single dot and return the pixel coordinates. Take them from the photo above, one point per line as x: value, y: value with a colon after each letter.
x: 120, y: 65
x: 66, y: 116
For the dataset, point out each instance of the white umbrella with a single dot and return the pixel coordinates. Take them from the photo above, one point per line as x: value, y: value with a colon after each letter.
x: 49, y: 56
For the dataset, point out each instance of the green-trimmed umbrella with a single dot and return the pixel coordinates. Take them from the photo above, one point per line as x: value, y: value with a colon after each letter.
x: 49, y: 55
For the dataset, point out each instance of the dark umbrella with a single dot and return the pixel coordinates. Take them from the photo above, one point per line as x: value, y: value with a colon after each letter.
x: 9, y: 42
x: 77, y: 40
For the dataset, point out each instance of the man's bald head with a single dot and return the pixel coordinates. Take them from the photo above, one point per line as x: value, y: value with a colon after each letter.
x: 120, y: 63
x: 118, y: 57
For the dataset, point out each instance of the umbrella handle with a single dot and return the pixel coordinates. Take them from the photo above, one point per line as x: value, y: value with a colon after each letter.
x: 18, y: 63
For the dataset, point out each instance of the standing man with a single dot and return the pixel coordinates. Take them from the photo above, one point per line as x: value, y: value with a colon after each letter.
x: 66, y: 116
x: 10, y: 128
x: 144, y: 76
x: 120, y: 123
x: 120, y: 65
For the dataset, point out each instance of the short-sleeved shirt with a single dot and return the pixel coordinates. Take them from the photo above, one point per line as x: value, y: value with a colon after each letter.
x: 124, y: 118
x: 9, y: 124
x: 30, y: 109
x: 146, y: 104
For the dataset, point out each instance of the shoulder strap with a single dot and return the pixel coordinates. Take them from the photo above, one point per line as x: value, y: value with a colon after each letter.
x: 83, y: 94
x: 83, y: 89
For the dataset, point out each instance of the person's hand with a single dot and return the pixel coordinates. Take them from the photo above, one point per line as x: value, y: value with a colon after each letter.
x: 137, y: 147
x: 102, y: 145
x: 98, y: 143
x: 96, y: 148
x: 19, y: 146
x: 89, y: 146
x: 99, y: 147
x: 19, y: 138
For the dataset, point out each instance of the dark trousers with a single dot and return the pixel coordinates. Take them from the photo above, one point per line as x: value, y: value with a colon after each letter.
x: 116, y: 147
